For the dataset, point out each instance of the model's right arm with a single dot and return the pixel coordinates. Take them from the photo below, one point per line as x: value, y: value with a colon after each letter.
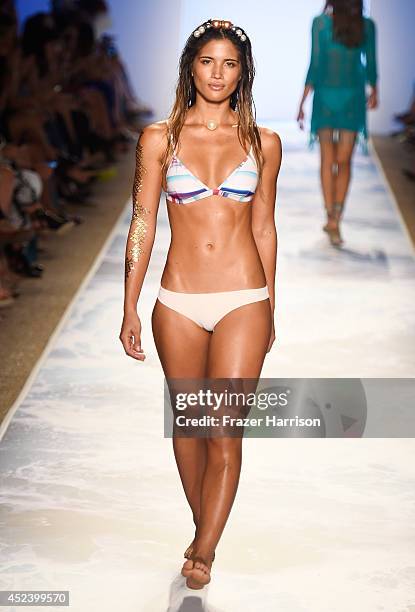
x: 315, y: 59
x: 147, y: 187
x: 312, y: 73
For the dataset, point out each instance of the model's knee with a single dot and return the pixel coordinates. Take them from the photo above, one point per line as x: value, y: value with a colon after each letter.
x: 327, y: 161
x: 343, y: 164
x: 224, y: 452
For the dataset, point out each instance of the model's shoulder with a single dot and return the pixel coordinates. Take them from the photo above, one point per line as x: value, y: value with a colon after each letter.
x: 369, y: 22
x: 321, y: 19
x: 154, y: 135
x: 270, y: 140
x: 155, y: 130
x: 158, y: 127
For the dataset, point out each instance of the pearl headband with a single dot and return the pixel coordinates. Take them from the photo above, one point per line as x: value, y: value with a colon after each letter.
x: 220, y: 24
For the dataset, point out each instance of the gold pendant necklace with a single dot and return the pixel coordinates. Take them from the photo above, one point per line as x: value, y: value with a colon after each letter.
x: 212, y: 124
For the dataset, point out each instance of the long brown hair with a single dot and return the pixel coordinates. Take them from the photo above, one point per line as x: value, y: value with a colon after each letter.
x: 241, y: 99
x: 348, y: 27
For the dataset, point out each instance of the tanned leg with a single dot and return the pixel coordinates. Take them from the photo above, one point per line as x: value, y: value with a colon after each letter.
x: 237, y: 350
x: 344, y: 152
x: 344, y: 155
x: 182, y: 347
x: 327, y: 169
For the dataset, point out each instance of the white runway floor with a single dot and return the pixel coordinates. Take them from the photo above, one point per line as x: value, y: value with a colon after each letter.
x: 91, y: 501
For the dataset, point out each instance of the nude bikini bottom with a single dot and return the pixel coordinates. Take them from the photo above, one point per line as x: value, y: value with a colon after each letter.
x: 207, y: 309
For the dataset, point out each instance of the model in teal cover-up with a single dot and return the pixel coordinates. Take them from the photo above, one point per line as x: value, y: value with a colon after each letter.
x: 342, y: 67
x: 338, y: 75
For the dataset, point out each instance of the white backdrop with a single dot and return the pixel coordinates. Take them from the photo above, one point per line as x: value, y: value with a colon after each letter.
x: 280, y: 41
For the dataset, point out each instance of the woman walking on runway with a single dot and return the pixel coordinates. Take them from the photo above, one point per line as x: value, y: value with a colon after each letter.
x: 214, y: 316
x: 340, y: 36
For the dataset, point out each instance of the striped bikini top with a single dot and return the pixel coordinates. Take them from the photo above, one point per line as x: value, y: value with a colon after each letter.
x: 184, y: 187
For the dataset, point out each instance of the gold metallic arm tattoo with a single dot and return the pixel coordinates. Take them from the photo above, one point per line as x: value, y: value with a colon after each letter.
x: 139, y: 225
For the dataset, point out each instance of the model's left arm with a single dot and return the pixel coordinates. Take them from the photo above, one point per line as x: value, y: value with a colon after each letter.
x: 371, y: 63
x: 370, y: 51
x: 263, y: 211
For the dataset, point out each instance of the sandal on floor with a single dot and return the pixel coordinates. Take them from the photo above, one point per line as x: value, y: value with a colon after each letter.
x: 334, y: 235
x: 334, y: 232
x: 188, y: 553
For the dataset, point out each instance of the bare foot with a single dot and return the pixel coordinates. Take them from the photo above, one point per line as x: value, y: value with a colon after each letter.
x: 188, y: 565
x: 197, y: 576
x: 187, y: 568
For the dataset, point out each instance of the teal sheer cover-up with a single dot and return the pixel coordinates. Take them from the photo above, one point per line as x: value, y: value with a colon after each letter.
x: 338, y: 75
